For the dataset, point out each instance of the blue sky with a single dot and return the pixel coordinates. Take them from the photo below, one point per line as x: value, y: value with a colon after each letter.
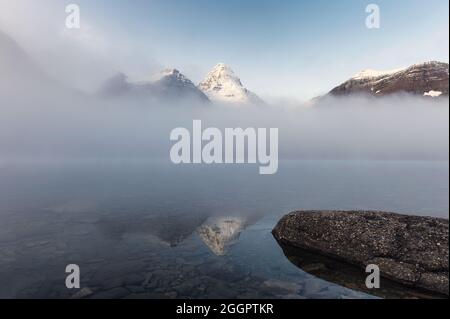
x: 291, y: 48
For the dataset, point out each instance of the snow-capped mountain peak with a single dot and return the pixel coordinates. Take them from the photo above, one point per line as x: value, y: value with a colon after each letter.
x: 222, y: 73
x: 223, y: 85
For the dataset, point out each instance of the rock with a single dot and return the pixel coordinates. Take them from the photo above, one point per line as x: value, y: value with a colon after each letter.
x: 150, y: 281
x: 281, y: 287
x: 344, y: 275
x: 409, y: 250
x: 133, y: 280
x: 82, y: 293
x: 171, y: 295
x: 115, y: 293
x: 136, y: 289
x: 292, y: 297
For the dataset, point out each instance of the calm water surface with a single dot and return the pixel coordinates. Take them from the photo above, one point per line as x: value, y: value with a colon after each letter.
x: 153, y: 230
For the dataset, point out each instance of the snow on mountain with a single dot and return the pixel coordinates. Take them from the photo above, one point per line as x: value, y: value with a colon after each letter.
x: 433, y: 93
x: 172, y: 83
x: 222, y: 85
x: 429, y: 79
x: 173, y: 74
x: 369, y: 73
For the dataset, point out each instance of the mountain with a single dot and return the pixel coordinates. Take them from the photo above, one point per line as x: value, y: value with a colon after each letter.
x: 169, y: 84
x: 154, y: 226
x: 428, y: 79
x: 20, y: 73
x: 15, y: 64
x: 115, y: 86
x: 222, y: 85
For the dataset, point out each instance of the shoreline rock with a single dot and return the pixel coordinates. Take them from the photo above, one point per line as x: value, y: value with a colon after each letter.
x: 410, y: 250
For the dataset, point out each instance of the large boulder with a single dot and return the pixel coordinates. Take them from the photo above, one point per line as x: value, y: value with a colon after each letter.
x: 410, y: 250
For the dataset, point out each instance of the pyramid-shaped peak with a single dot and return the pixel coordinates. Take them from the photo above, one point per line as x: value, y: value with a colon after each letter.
x: 222, y: 67
x: 223, y: 85
x: 219, y: 75
x: 222, y: 70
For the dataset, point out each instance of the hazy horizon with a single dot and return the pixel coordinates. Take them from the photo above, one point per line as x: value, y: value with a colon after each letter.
x: 291, y: 50
x: 53, y: 121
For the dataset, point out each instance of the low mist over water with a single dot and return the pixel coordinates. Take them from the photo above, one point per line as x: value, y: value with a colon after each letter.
x: 71, y: 126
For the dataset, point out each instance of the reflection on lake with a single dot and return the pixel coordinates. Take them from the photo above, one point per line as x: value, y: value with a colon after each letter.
x: 347, y: 275
x: 219, y: 233
x: 141, y: 230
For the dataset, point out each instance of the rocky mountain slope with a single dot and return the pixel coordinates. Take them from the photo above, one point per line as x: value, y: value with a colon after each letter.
x: 170, y: 84
x: 428, y: 79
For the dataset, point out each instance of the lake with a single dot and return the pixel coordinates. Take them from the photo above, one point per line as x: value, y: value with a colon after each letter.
x: 141, y: 229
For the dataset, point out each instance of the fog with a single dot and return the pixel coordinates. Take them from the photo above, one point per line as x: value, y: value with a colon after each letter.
x: 45, y: 121
x: 45, y: 118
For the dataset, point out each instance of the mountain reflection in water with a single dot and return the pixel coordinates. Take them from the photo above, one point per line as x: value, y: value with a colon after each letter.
x: 219, y: 233
x: 152, y: 230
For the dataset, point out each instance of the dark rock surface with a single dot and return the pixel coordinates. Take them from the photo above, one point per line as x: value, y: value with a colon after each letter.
x: 350, y: 276
x: 417, y: 79
x: 409, y: 250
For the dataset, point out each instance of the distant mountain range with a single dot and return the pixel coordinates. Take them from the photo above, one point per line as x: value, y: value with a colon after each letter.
x: 170, y: 84
x: 428, y: 79
x: 222, y: 85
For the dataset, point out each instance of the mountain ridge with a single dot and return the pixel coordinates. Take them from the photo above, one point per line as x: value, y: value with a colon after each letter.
x: 222, y: 85
x: 168, y: 84
x: 15, y: 62
x: 428, y: 79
